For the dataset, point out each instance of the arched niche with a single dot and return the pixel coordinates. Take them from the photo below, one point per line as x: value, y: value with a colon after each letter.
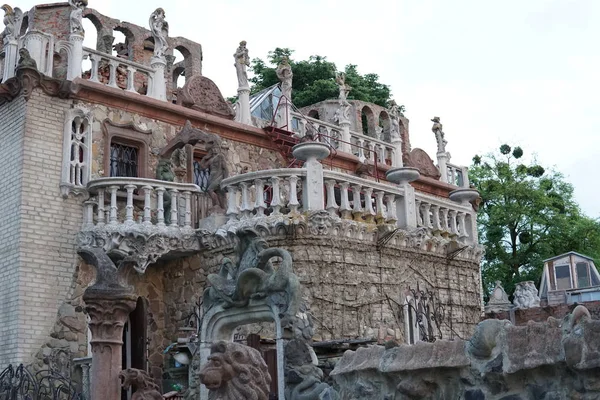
x: 123, y: 43
x: 179, y: 69
x: 384, y: 126
x: 367, y: 119
x: 313, y: 114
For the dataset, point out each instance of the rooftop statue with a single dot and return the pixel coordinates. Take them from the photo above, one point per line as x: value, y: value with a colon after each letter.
x: 285, y: 75
x: 160, y: 31
x: 242, y: 60
x: 215, y: 161
x: 340, y: 79
x: 235, y: 372
x: 77, y: 15
x: 25, y: 60
x: 395, y: 124
x: 12, y: 22
x: 439, y: 135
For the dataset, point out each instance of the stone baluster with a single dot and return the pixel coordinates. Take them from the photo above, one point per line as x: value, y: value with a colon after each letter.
x: 346, y: 137
x: 107, y: 215
x: 276, y: 195
x: 453, y: 226
x: 357, y: 208
x: 390, y: 205
x: 260, y: 205
x: 187, y: 220
x: 346, y: 210
x: 232, y: 206
x: 88, y: 215
x: 435, y: 210
x: 158, y: 87
x: 381, y: 154
x: 331, y: 206
x: 418, y: 209
x: 293, y: 203
x: 147, y: 220
x: 427, y: 215
x: 381, y: 214
x: 174, y: 210
x: 361, y: 151
x: 129, y: 207
x: 101, y: 219
x: 246, y: 207
x: 95, y: 59
x: 445, y: 226
x: 372, y: 154
x: 160, y: 206
x: 113, y: 204
x: 112, y: 81
x: 369, y: 211
x: 462, y: 227
x: 131, y: 79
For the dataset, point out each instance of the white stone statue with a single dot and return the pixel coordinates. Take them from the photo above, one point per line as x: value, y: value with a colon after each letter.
x: 285, y: 75
x: 160, y: 31
x: 76, y: 17
x: 242, y: 60
x: 340, y: 79
x: 439, y: 135
x: 395, y: 123
x: 526, y: 295
x: 12, y: 22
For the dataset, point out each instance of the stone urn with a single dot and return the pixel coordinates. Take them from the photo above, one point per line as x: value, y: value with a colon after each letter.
x: 464, y: 196
x: 311, y: 151
x: 402, y: 175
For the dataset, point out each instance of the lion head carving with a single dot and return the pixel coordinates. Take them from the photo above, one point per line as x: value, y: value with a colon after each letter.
x: 146, y: 388
x: 235, y: 372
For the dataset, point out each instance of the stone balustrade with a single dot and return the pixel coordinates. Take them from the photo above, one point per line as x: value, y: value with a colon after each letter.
x: 446, y: 217
x: 122, y: 74
x: 341, y: 138
x: 144, y: 203
x: 458, y: 176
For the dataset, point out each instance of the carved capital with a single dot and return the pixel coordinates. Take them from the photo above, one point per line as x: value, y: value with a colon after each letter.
x: 108, y: 316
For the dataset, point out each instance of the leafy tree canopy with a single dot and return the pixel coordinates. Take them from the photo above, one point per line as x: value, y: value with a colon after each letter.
x: 314, y: 79
x: 527, y: 214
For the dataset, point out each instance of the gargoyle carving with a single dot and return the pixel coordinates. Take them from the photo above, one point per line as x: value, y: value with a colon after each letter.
x: 145, y: 387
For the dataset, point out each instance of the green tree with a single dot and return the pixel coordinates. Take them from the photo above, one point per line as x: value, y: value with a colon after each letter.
x: 527, y: 215
x: 314, y: 79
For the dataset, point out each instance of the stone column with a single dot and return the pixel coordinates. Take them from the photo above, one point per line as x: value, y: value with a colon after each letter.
x: 406, y: 207
x: 159, y: 83
x: 313, y: 193
x: 76, y: 56
x: 443, y: 159
x: 108, y: 303
x: 346, y: 137
x: 243, y: 110
x: 397, y: 159
x: 11, y: 51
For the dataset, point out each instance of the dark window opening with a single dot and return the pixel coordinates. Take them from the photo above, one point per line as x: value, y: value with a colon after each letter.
x: 123, y: 160
x: 201, y: 176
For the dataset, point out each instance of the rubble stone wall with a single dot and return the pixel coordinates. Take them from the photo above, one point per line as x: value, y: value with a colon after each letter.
x: 541, y: 314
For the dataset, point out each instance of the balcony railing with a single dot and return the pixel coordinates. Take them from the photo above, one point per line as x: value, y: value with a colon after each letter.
x: 458, y: 175
x: 144, y: 203
x: 445, y: 217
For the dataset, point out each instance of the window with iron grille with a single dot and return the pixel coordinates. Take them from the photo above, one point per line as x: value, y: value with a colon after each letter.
x: 123, y: 160
x: 201, y: 176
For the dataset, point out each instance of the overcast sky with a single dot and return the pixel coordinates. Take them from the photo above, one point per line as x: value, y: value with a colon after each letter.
x: 520, y: 72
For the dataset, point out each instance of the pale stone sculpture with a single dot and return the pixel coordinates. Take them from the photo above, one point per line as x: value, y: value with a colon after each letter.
x: 498, y: 300
x: 77, y: 15
x: 340, y: 79
x: 145, y: 387
x: 395, y: 124
x: 25, y: 59
x: 439, y: 135
x: 242, y: 60
x: 12, y: 22
x: 235, y: 372
x: 526, y: 295
x: 160, y: 31
x: 215, y: 161
x: 285, y: 75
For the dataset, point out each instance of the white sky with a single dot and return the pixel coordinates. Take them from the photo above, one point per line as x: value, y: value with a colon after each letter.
x: 519, y: 72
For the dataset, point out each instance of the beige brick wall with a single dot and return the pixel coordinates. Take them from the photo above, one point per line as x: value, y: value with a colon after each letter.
x: 12, y: 122
x: 49, y: 224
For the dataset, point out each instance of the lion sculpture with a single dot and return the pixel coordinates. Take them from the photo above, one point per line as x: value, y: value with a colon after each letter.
x: 145, y: 387
x: 235, y: 372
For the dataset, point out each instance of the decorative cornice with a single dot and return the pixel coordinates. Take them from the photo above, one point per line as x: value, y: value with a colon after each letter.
x: 127, y: 125
x: 28, y: 79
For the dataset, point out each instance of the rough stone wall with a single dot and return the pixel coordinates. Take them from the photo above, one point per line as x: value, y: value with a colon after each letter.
x: 12, y: 116
x: 541, y: 314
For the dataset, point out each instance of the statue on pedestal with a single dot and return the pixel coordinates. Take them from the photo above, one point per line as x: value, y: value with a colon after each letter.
x: 285, y: 75
x: 13, y: 19
x: 160, y: 31
x: 340, y: 79
x: 242, y: 60
x: 77, y: 15
x: 439, y: 135
x: 394, y: 118
x: 215, y: 161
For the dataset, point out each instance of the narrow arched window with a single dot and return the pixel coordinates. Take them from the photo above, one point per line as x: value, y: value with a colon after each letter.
x: 76, y: 151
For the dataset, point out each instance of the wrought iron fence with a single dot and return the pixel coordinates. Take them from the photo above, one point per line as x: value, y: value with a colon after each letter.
x: 20, y: 384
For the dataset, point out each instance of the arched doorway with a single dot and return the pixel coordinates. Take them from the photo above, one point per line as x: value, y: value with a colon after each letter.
x: 135, y: 339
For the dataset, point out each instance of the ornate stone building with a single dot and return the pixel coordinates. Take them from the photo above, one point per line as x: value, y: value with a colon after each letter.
x: 97, y: 154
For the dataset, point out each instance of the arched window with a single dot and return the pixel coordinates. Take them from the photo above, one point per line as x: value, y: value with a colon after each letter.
x: 384, y: 126
x: 77, y: 156
x: 313, y: 114
x: 367, y: 121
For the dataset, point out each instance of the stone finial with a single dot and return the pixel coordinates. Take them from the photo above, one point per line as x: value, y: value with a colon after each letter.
x: 285, y: 75
x: 498, y: 300
x: 145, y: 387
x: 76, y: 17
x: 160, y: 31
x: 439, y: 135
x: 242, y: 60
x: 235, y: 372
x: 526, y: 295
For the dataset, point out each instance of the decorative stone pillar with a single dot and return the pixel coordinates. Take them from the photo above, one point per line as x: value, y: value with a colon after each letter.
x: 443, y: 159
x: 397, y: 157
x: 11, y: 50
x: 34, y: 43
x: 159, y: 83
x: 108, y: 303
x: 243, y: 109
x: 313, y: 194
x: 406, y: 208
x: 76, y: 56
